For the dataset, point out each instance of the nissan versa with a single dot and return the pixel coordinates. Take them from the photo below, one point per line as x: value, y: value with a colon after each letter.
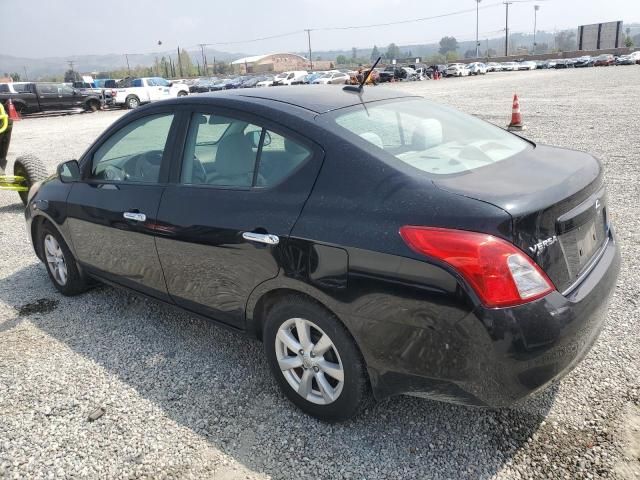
x: 376, y: 243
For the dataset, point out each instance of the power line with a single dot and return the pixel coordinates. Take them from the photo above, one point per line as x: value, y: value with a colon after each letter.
x: 412, y: 20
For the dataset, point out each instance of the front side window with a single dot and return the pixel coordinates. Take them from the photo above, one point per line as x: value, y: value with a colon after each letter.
x: 134, y: 153
x: 429, y: 137
x: 223, y: 151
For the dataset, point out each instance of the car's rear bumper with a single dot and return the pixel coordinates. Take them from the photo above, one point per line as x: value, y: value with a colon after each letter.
x: 495, y: 357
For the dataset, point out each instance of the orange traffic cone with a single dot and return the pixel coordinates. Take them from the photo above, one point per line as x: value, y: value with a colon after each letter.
x: 13, y: 114
x: 516, y: 117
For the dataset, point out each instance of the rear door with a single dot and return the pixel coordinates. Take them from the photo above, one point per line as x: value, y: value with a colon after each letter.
x: 48, y: 96
x: 112, y: 212
x: 238, y: 192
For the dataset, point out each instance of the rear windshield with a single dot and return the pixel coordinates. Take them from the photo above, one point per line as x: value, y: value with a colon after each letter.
x: 432, y: 138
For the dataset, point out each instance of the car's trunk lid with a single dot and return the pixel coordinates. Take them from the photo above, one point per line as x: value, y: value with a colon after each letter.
x: 557, y: 201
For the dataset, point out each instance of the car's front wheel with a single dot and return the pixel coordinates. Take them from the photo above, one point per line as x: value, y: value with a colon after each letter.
x: 61, y: 266
x: 132, y: 102
x: 314, y: 360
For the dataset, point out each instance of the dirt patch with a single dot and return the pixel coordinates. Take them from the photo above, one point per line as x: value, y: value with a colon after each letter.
x: 43, y: 305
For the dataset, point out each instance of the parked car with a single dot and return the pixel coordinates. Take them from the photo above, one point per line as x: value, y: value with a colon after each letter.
x: 457, y: 70
x: 45, y: 97
x: 312, y: 76
x: 494, y: 67
x: 203, y: 85
x: 604, y: 60
x: 636, y: 56
x: 410, y: 74
x: 391, y: 72
x: 550, y: 63
x: 267, y: 82
x: 527, y: 65
x: 509, y: 66
x: 625, y: 60
x: 253, y: 81
x: 324, y: 251
x: 334, y: 78
x: 295, y: 77
x: 477, y: 68
x: 584, y: 61
x: 565, y: 63
x: 133, y: 92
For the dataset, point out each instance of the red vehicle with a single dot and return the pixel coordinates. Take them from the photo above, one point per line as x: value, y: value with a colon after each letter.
x: 604, y: 60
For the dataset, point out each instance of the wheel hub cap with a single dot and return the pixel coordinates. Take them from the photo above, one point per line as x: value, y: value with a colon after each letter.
x: 55, y: 259
x: 309, y: 361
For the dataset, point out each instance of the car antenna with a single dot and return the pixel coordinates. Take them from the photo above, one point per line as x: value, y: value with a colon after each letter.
x: 358, y: 89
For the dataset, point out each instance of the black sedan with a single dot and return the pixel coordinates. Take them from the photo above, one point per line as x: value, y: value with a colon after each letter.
x: 376, y: 243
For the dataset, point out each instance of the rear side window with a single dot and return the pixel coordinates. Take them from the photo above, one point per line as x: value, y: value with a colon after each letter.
x: 223, y: 151
x: 136, y: 83
x: 134, y: 153
x: 430, y: 137
x: 278, y: 158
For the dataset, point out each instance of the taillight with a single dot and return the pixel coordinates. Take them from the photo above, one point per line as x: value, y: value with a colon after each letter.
x: 500, y: 273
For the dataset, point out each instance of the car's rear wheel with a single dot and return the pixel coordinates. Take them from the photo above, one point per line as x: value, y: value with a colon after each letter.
x: 182, y: 93
x: 58, y: 259
x: 93, y: 106
x: 132, y: 102
x: 314, y: 360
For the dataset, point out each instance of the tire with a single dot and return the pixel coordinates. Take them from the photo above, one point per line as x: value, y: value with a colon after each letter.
x: 132, y: 102
x: 93, y: 105
x: 339, y: 399
x: 182, y: 94
x: 31, y: 168
x: 55, y: 250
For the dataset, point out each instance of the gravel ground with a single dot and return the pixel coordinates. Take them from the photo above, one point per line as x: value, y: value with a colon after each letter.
x: 181, y: 398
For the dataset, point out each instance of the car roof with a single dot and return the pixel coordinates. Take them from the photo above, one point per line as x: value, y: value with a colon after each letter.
x: 320, y: 99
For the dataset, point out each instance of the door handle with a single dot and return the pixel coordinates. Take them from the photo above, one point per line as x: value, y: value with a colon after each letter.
x: 267, y: 238
x: 136, y: 217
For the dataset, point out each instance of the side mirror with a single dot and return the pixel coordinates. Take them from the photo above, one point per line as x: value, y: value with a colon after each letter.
x: 69, y: 171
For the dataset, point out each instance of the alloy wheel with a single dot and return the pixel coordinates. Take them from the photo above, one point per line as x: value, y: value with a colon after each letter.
x: 55, y: 259
x: 309, y: 361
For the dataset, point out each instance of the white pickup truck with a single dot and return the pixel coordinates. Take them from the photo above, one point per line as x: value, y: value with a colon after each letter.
x: 132, y: 92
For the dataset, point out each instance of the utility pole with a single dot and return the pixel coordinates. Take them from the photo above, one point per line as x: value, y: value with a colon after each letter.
x: 477, y: 22
x: 506, y: 29
x: 26, y: 78
x: 535, y: 24
x: 308, y: 30
x: 128, y: 68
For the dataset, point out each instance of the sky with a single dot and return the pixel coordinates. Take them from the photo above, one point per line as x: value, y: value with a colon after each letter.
x: 52, y: 28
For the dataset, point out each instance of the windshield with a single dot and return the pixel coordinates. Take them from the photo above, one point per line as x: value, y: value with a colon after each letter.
x: 432, y: 138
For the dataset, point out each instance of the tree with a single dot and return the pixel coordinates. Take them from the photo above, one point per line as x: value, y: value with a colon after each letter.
x: 628, y: 42
x: 341, y: 60
x: 375, y: 53
x: 392, y: 51
x: 448, y: 44
x: 470, y: 54
x: 566, y: 41
x: 354, y: 54
x: 71, y: 76
x: 451, y: 56
x: 15, y: 76
x: 541, y: 48
x: 186, y: 65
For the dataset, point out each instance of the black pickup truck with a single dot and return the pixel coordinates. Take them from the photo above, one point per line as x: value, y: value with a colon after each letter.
x: 45, y: 97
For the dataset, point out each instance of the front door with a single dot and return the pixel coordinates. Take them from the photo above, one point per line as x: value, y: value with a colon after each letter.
x: 112, y: 212
x: 223, y: 223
